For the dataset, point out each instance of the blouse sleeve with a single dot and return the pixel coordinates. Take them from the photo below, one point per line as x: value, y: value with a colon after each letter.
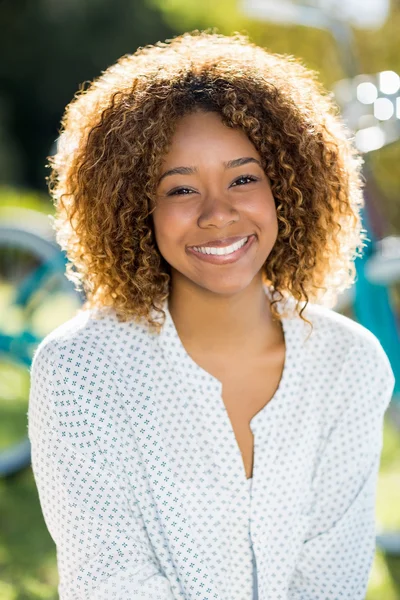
x: 102, y: 546
x: 338, y: 551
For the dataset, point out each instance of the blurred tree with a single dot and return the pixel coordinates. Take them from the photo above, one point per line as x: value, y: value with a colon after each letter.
x: 49, y: 47
x: 315, y: 47
x: 9, y: 151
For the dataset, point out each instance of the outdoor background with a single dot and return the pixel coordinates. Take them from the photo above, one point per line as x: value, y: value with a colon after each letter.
x: 48, y: 49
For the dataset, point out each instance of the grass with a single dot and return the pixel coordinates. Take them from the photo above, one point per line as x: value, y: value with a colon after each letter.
x: 28, y: 569
x: 381, y: 584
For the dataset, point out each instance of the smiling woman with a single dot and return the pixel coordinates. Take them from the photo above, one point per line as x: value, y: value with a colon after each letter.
x: 113, y: 164
x: 189, y: 440
x: 222, y: 198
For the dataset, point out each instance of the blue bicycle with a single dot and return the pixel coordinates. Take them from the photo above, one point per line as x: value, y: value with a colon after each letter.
x: 35, y: 297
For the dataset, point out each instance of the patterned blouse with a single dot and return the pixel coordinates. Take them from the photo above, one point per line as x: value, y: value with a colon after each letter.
x: 141, y: 480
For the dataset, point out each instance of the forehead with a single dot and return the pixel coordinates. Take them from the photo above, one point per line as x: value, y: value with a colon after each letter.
x: 205, y: 132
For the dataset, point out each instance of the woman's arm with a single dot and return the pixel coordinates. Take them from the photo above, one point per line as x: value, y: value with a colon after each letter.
x: 103, y: 550
x: 336, y: 557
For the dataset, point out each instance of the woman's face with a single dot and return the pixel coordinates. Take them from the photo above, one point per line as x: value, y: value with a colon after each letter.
x: 202, y: 200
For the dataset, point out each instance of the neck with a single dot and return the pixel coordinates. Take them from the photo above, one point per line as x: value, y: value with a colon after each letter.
x: 240, y: 324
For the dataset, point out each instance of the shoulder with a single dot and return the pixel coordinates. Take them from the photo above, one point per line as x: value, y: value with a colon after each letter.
x: 88, y: 337
x: 331, y: 328
x: 78, y: 378
x: 359, y: 359
x: 89, y: 360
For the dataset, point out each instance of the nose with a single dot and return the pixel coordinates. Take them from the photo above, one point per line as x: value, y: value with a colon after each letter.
x: 217, y: 211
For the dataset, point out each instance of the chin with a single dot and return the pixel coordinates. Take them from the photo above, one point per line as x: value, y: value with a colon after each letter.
x: 224, y: 286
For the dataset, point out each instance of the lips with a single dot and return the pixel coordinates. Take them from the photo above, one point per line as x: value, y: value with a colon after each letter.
x: 223, y: 259
x: 222, y: 242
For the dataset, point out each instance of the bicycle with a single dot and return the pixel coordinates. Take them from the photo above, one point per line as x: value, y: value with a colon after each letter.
x: 32, y: 281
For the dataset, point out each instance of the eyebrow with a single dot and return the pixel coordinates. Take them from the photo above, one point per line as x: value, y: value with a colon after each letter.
x: 230, y: 164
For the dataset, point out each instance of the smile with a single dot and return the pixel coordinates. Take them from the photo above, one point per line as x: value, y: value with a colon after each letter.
x: 221, y: 250
x: 222, y: 255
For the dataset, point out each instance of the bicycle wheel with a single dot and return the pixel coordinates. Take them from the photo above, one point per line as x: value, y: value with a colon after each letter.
x: 35, y: 297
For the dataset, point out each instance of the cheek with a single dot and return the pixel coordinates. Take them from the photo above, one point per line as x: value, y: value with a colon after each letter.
x: 170, y: 224
x: 271, y: 224
x: 263, y: 210
x: 270, y: 215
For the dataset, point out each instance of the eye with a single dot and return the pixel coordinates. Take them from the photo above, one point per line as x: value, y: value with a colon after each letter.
x: 178, y: 191
x: 251, y: 178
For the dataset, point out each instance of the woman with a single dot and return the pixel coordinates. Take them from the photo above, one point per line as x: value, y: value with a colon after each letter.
x: 208, y: 427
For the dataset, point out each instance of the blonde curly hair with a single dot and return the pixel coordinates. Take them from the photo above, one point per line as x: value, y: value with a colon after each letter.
x: 113, y: 137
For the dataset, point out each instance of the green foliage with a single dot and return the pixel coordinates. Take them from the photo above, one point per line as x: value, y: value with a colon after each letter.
x: 381, y: 585
x: 11, y: 197
x: 51, y: 49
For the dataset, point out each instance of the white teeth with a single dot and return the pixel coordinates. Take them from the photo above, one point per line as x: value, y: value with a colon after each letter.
x: 222, y: 251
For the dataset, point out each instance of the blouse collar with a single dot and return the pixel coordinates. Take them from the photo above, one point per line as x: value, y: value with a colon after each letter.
x: 178, y: 358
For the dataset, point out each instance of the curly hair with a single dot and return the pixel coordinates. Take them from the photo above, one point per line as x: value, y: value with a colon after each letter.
x: 113, y: 137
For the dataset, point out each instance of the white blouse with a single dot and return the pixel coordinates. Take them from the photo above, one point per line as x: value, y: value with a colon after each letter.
x: 255, y: 586
x: 141, y: 480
